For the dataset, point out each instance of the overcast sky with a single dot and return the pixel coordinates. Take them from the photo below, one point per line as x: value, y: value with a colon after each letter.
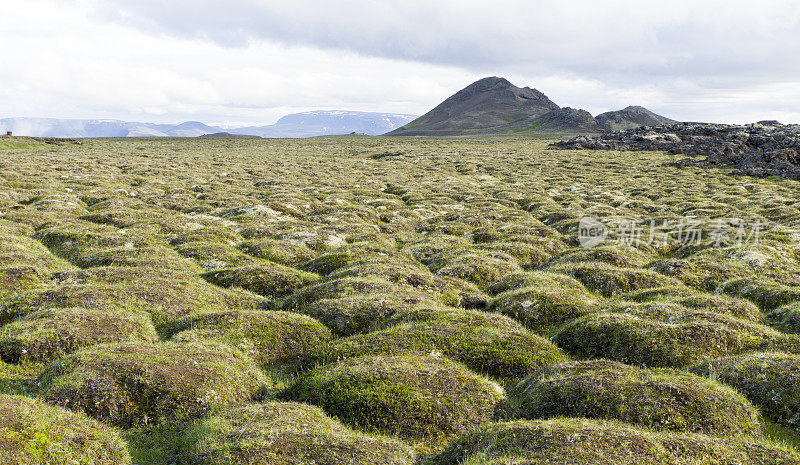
x: 252, y: 61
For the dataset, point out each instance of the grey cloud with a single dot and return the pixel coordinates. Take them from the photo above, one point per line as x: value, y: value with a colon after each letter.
x: 618, y: 41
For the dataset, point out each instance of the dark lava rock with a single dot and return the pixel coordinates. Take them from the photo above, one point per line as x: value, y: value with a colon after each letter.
x: 763, y: 149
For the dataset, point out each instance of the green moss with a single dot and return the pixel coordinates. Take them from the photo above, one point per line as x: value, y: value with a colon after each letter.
x: 405, y: 271
x: 480, y: 266
x: 785, y: 437
x: 716, y: 303
x: 609, y: 280
x: 785, y: 318
x: 700, y: 273
x: 165, y: 443
x: 434, y: 244
x: 571, y: 440
x: 355, y: 314
x: 279, y: 251
x: 267, y: 337
x: 337, y: 258
x: 216, y: 234
x: 34, y: 432
x: 167, y: 210
x: 18, y: 279
x: 47, y: 335
x: 622, y: 257
x: 167, y: 296
x: 724, y: 305
x: 18, y: 251
x: 767, y: 379
x: 414, y: 397
x: 347, y: 287
x: 129, y: 384
x: 544, y: 301
x: 661, y: 334
x: 490, y: 344
x: 17, y: 379
x: 286, y: 433
x: 659, y: 294
x: 267, y: 279
x: 656, y: 399
x: 765, y: 293
x: 526, y: 254
x: 213, y: 256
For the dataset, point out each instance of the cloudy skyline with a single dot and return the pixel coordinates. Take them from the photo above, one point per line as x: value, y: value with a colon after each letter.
x: 250, y: 62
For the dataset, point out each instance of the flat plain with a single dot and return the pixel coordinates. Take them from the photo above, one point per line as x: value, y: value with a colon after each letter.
x: 363, y: 300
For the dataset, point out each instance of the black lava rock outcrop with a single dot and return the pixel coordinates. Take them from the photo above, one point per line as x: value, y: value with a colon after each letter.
x: 763, y: 149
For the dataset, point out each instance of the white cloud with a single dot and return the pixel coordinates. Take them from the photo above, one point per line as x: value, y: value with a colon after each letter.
x: 253, y: 61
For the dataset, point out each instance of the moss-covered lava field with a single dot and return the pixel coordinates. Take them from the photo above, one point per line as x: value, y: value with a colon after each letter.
x: 366, y: 300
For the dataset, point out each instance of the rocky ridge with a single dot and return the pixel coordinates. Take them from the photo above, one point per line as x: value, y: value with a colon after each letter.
x: 762, y: 149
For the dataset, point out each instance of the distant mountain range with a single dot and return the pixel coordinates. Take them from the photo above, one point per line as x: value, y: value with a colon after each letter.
x: 321, y: 123
x: 308, y: 124
x: 493, y: 105
x: 51, y: 127
x: 488, y: 106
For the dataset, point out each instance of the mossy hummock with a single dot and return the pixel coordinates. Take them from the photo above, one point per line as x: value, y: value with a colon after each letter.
x: 573, y: 440
x: 545, y: 301
x: 663, y: 334
x: 32, y: 432
x: 658, y: 399
x: 288, y: 433
x: 130, y: 384
x: 493, y: 345
x: 767, y: 379
x: 47, y: 335
x: 268, y: 337
x: 415, y: 397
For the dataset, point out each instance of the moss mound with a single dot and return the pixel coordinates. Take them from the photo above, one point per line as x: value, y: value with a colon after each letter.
x: 767, y: 379
x: 287, y: 433
x: 561, y: 441
x: 405, y: 271
x: 479, y: 266
x: 47, y: 335
x: 348, y: 287
x: 166, y: 296
x: 32, y: 432
x: 657, y: 399
x: 267, y: 279
x: 723, y: 305
x: 700, y: 273
x: 689, y: 298
x: 17, y: 279
x: 265, y: 336
x: 490, y: 344
x: 128, y: 384
x: 765, y: 293
x: 527, y: 254
x: 623, y: 257
x: 356, y: 314
x: 545, y: 301
x: 214, y: 256
x: 337, y: 258
x: 410, y: 396
x: 521, y: 279
x: 785, y: 318
x: 425, y: 250
x: 660, y: 334
x: 22, y: 256
x: 278, y: 251
x: 610, y: 280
